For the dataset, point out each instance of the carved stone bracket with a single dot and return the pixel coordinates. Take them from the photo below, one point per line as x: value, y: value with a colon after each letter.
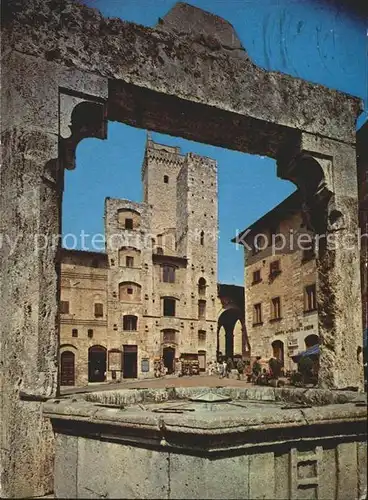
x: 312, y: 174
x: 80, y: 116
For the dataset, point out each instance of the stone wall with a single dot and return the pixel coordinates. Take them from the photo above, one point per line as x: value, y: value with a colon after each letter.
x: 83, y: 284
x: 289, y: 445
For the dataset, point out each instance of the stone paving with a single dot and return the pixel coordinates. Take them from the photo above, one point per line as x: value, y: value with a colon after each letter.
x: 157, y: 383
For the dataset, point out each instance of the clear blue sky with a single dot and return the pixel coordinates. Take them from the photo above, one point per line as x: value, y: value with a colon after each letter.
x: 304, y: 38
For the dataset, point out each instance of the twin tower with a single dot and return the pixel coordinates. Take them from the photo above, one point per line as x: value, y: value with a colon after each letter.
x: 162, y: 256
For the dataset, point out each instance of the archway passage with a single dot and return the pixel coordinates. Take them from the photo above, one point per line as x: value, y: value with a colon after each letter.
x: 67, y: 368
x: 311, y: 340
x: 130, y: 361
x: 229, y: 321
x: 168, y: 355
x: 278, y: 350
x: 96, y: 364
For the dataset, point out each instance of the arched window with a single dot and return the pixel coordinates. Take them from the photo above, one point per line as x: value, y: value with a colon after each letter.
x: 202, y: 238
x: 129, y: 291
x: 202, y: 286
x: 166, y: 179
x: 130, y: 323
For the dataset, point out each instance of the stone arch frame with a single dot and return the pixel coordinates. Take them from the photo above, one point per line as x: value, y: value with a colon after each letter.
x: 227, y: 320
x: 158, y: 81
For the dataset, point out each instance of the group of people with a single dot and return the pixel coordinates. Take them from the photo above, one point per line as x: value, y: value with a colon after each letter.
x: 160, y: 369
x: 224, y: 368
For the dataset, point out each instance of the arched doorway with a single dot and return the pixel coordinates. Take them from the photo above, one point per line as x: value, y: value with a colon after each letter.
x: 96, y: 364
x: 278, y: 350
x: 67, y: 368
x: 168, y: 354
x: 311, y: 340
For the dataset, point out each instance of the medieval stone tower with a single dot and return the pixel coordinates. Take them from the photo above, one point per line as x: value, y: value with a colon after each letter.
x: 162, y: 273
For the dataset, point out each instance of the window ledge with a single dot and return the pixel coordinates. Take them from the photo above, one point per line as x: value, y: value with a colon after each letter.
x: 275, y: 320
x: 309, y: 311
x: 258, y: 324
x: 274, y: 274
x: 256, y: 282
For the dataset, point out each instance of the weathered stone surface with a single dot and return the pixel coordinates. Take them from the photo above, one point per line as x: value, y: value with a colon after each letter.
x: 216, y: 450
x: 77, y: 36
x: 204, y: 29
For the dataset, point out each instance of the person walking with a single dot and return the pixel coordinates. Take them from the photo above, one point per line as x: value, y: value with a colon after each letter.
x: 240, y: 367
x: 229, y: 367
x: 224, y: 369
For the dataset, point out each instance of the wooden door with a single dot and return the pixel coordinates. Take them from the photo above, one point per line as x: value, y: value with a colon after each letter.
x: 202, y: 361
x: 67, y: 368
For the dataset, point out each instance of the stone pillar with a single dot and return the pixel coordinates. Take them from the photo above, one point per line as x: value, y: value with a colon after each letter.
x: 35, y: 148
x: 31, y: 187
x: 325, y: 171
x: 30, y: 216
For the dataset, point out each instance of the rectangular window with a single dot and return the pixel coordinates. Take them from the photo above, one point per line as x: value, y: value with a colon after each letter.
x: 129, y: 261
x: 130, y: 323
x: 310, y: 299
x: 276, y: 308
x: 168, y: 274
x: 128, y: 223
x: 130, y: 291
x: 257, y: 276
x: 202, y: 337
x: 275, y: 267
x: 257, y: 314
x: 74, y: 332
x: 90, y: 333
x: 64, y: 307
x: 201, y: 309
x: 98, y: 310
x: 169, y: 307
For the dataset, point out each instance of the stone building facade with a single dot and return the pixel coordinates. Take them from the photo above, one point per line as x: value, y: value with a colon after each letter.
x: 362, y: 152
x: 83, y: 314
x: 159, y: 277
x: 280, y: 283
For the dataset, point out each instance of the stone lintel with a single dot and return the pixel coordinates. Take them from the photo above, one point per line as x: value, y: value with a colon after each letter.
x: 166, y: 63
